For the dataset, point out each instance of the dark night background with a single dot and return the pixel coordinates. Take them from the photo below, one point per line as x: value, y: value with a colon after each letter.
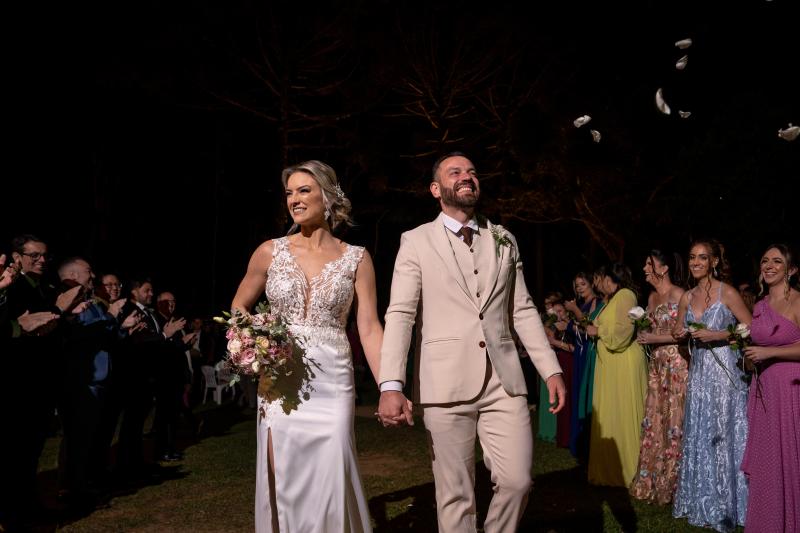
x: 149, y: 137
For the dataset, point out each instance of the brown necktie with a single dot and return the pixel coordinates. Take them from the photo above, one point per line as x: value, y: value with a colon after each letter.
x: 466, y: 232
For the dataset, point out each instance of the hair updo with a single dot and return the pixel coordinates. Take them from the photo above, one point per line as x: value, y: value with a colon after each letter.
x: 336, y: 203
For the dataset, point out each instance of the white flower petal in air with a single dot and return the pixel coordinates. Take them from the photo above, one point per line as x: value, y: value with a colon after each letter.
x: 596, y: 135
x: 684, y: 114
x: 683, y: 44
x: 681, y: 64
x: 789, y: 134
x: 661, y: 104
x: 580, y: 121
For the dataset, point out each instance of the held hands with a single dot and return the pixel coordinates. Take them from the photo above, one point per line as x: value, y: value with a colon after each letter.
x: 591, y: 330
x: 557, y: 390
x: 394, y: 409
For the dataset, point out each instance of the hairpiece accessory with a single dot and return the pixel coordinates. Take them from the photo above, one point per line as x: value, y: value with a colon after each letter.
x: 339, y: 191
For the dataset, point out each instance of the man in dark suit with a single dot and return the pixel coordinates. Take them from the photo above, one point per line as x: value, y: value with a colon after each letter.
x: 30, y: 355
x: 136, y: 367
x: 173, y: 379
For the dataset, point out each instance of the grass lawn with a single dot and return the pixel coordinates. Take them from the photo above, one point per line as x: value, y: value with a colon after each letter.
x: 212, y: 489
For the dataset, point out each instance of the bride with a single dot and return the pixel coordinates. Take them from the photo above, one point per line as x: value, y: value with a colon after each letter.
x: 307, y: 475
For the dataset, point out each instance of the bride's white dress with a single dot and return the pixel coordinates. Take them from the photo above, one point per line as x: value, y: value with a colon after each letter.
x: 317, y: 483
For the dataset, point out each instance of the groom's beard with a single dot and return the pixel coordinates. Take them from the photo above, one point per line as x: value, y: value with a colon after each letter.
x: 449, y: 197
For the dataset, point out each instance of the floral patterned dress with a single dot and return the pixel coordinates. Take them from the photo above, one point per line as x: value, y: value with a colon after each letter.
x: 662, y: 426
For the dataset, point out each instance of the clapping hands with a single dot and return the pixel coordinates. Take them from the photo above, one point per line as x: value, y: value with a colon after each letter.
x: 7, y: 273
x: 173, y: 326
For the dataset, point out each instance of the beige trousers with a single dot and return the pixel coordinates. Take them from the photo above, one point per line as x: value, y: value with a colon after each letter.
x: 503, y: 426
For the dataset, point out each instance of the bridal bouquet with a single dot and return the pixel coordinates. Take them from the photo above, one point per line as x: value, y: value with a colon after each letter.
x: 261, y: 345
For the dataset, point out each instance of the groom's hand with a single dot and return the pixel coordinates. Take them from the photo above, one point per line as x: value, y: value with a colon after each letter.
x: 556, y: 388
x: 394, y: 409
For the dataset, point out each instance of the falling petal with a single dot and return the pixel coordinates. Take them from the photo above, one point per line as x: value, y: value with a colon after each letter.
x: 789, y: 134
x: 685, y: 114
x: 681, y: 64
x: 684, y: 43
x: 661, y: 104
x: 596, y: 135
x: 580, y: 121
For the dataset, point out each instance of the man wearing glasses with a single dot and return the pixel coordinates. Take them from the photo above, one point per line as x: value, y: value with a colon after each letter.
x: 31, y: 356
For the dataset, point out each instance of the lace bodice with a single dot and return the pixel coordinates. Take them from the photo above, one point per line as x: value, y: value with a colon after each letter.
x: 322, y: 301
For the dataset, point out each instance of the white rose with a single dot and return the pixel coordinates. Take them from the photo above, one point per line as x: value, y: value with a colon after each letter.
x: 636, y: 313
x: 234, y: 346
x: 742, y: 330
x: 256, y: 365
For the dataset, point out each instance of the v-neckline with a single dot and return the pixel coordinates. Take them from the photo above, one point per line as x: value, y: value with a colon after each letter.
x: 310, y: 281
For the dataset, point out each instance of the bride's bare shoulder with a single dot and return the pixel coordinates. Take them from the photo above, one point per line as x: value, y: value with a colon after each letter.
x: 262, y: 255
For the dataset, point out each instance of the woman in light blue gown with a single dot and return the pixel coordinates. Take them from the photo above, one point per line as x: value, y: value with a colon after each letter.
x: 712, y: 491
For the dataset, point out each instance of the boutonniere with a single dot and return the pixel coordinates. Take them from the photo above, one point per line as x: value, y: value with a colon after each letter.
x: 500, y: 238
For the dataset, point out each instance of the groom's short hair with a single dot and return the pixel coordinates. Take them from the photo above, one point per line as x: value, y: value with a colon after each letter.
x: 438, y: 162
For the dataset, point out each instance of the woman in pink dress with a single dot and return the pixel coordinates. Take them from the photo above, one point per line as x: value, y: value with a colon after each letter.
x: 772, y: 456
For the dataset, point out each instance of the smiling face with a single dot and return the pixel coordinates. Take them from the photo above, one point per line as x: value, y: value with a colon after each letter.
x: 304, y: 199
x: 456, y: 183
x: 654, y: 270
x: 112, y: 286
x: 33, y: 257
x: 774, y: 268
x: 701, y: 261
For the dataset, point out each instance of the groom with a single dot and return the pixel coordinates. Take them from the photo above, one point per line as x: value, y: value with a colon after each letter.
x: 464, y: 275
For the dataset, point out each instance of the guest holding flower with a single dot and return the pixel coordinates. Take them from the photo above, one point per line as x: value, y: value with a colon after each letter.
x: 547, y: 420
x: 620, y: 384
x: 772, y: 455
x: 662, y: 426
x: 712, y: 491
x: 585, y: 308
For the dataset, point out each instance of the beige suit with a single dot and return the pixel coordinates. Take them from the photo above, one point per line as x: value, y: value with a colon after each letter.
x: 468, y: 376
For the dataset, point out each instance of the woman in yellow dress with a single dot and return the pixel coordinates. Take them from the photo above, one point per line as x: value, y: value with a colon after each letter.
x: 620, y: 384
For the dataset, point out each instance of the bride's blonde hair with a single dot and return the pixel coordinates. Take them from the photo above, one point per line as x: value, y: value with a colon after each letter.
x: 337, y: 206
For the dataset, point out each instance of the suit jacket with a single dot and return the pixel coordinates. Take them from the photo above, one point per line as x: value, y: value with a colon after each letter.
x: 458, y: 331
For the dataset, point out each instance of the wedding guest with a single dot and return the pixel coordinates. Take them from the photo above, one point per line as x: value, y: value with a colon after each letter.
x: 772, y: 455
x: 712, y: 491
x: 88, y: 334
x: 30, y: 301
x: 585, y: 309
x: 172, y: 379
x: 562, y: 341
x: 548, y: 423
x: 620, y: 384
x: 662, y: 426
